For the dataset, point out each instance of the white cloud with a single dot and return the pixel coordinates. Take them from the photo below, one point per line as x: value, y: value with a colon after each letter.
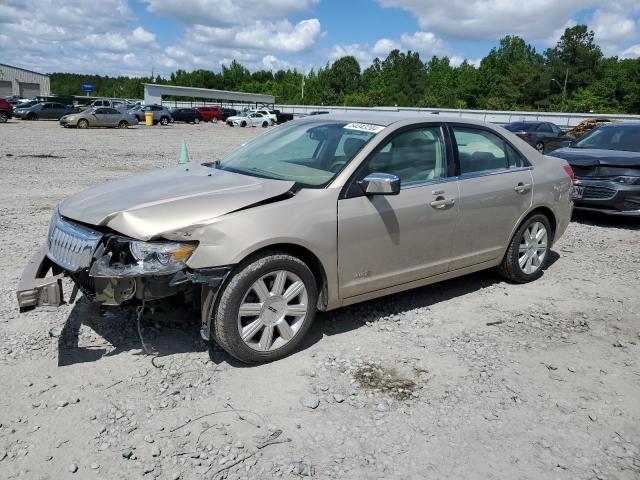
x: 141, y: 36
x: 280, y: 36
x: 490, y: 20
x: 632, y: 52
x: 427, y: 44
x: 383, y: 46
x: 226, y: 13
x: 362, y: 53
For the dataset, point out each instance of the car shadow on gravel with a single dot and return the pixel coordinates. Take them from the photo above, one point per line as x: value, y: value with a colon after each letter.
x: 355, y: 316
x: 170, y: 330
x: 166, y: 330
x: 603, y: 220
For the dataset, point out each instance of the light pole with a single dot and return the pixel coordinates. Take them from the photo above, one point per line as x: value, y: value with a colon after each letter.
x: 563, y: 88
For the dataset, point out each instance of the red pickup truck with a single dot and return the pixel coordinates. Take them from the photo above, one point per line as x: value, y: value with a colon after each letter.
x: 6, y: 110
x: 209, y: 113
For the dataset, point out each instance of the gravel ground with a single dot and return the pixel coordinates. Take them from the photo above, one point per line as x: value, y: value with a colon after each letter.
x: 470, y: 378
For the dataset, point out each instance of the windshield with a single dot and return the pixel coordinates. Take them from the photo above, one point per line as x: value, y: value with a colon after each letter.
x: 612, y: 137
x: 310, y: 154
x: 242, y: 114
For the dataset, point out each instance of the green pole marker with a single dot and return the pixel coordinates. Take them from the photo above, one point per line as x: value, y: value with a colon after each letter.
x: 184, y: 153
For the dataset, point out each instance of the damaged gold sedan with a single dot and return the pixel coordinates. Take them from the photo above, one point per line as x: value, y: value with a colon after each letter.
x: 322, y: 212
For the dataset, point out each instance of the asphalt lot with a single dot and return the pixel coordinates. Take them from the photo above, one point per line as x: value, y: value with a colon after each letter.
x: 474, y: 378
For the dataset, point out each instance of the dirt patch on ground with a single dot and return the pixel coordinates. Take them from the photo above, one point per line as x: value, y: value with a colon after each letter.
x: 387, y: 380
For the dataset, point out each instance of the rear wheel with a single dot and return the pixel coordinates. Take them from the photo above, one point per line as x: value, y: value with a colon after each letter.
x: 243, y: 124
x: 164, y: 121
x: 83, y: 123
x: 123, y: 124
x: 527, y: 253
x: 3, y: 117
x: 196, y: 121
x: 265, y: 308
x: 265, y: 124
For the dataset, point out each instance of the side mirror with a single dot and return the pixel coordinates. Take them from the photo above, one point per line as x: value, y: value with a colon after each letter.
x: 380, y: 184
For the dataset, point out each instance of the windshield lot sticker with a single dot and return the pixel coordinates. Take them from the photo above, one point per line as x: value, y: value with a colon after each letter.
x: 364, y: 127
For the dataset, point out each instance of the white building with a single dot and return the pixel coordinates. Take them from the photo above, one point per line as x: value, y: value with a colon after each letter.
x: 23, y: 83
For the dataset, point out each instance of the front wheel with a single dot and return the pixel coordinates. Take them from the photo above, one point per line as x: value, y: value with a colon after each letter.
x: 265, y: 308
x: 123, y: 124
x: 540, y: 147
x: 82, y: 123
x: 196, y: 120
x: 528, y: 250
x: 243, y: 124
x: 32, y: 116
x: 3, y: 117
x: 164, y: 121
x: 265, y: 124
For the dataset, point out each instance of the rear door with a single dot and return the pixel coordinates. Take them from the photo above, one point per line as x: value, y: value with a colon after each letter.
x: 389, y: 240
x: 495, y: 185
x: 47, y: 111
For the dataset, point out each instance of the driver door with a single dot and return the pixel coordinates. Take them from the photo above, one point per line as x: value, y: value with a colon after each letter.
x: 388, y: 240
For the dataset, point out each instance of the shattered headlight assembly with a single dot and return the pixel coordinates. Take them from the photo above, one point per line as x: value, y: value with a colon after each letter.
x: 144, y: 258
x: 627, y: 180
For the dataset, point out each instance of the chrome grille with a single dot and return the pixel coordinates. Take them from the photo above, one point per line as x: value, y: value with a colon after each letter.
x: 70, y: 245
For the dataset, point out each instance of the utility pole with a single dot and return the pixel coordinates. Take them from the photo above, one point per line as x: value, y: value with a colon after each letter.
x: 563, y: 88
x: 302, y: 87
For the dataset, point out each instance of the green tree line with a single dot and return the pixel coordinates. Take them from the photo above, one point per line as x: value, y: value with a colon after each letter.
x: 513, y: 76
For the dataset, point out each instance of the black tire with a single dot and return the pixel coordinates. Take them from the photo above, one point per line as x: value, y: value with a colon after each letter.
x: 265, y: 124
x: 32, y: 116
x: 196, y: 120
x: 540, y: 147
x: 243, y: 124
x: 83, y: 123
x: 164, y: 121
x: 123, y: 124
x: 3, y: 117
x: 224, y: 314
x: 510, y: 267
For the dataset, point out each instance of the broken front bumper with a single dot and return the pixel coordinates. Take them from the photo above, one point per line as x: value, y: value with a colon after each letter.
x: 36, y: 288
x: 41, y: 284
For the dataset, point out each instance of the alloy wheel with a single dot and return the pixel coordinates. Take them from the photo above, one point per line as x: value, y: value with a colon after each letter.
x: 540, y: 147
x: 272, y: 311
x: 533, y: 248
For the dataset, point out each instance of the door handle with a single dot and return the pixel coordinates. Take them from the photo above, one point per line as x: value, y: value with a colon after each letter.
x: 522, y: 187
x: 442, y: 202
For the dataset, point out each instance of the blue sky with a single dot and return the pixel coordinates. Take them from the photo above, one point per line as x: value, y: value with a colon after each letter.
x: 131, y: 37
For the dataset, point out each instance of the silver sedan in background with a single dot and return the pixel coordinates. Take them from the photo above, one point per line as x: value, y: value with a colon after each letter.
x: 99, y: 117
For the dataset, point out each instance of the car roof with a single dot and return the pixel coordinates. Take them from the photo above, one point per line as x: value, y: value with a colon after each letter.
x: 386, y: 118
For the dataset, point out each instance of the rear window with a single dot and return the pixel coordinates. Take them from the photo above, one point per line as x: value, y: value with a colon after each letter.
x: 612, y: 137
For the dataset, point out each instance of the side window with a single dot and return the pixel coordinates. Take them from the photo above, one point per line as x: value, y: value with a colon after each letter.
x: 514, y: 158
x: 47, y: 106
x: 544, y: 128
x: 556, y: 129
x: 479, y: 150
x: 413, y: 156
x: 111, y: 111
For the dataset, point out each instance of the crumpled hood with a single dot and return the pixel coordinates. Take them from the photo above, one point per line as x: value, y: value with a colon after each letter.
x: 148, y: 205
x: 583, y: 157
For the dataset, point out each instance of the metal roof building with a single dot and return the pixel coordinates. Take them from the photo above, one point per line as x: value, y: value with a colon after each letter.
x: 23, y: 83
x: 153, y: 93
